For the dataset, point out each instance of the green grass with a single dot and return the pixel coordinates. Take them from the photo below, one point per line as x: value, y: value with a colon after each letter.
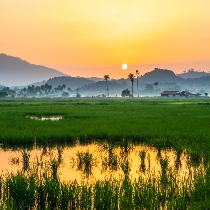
x: 29, y: 191
x: 164, y: 122
x: 179, y: 124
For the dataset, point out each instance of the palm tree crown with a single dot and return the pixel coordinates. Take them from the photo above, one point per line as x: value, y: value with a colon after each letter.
x: 137, y: 76
x: 131, y: 78
x: 156, y: 84
x: 106, y: 78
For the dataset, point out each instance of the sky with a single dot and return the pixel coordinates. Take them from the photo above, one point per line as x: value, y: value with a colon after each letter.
x: 94, y: 38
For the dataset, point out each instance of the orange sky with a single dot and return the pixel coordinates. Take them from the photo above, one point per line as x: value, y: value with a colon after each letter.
x: 94, y: 38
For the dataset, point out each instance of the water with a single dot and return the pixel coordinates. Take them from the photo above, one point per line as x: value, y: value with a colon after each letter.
x: 52, y: 118
x: 89, y: 163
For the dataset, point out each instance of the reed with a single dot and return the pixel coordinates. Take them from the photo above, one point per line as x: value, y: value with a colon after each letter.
x: 41, y: 197
x: 126, y: 146
x: 23, y: 191
x: 142, y: 155
x: 106, y: 194
x: 178, y: 162
x: 52, y: 187
x: 54, y: 168
x: 164, y: 170
x: 125, y: 166
x: 85, y: 162
x: 111, y: 161
x: 25, y: 159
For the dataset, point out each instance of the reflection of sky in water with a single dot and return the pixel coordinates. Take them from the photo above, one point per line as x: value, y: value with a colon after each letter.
x: 11, y: 161
x: 52, y: 118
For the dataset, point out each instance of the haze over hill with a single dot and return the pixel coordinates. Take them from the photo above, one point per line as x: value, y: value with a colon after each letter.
x: 72, y: 82
x: 16, y: 72
x: 100, y: 87
x: 191, y: 73
x: 156, y: 75
x: 160, y: 75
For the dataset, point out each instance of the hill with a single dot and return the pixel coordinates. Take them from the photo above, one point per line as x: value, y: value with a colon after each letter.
x: 96, y: 79
x: 72, y: 82
x: 100, y: 88
x: 160, y: 76
x: 16, y: 72
x: 202, y: 81
x: 191, y: 74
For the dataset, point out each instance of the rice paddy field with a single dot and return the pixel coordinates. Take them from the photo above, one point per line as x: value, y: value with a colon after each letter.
x: 105, y: 154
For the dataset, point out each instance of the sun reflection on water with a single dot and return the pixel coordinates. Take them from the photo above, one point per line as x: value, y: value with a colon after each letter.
x: 89, y: 163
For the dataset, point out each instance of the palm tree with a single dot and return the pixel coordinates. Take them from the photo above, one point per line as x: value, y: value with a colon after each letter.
x: 156, y: 84
x: 106, y: 78
x: 137, y: 76
x: 78, y: 94
x: 131, y: 78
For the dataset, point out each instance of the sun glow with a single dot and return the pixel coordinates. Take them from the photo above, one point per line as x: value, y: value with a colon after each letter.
x: 124, y: 66
x: 96, y: 39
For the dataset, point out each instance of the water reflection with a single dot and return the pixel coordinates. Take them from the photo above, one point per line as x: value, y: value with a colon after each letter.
x: 95, y: 162
x: 52, y: 118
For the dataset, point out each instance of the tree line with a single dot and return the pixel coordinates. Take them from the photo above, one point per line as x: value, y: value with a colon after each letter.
x: 131, y: 77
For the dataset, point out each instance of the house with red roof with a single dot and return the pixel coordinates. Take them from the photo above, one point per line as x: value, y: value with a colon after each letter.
x: 170, y: 93
x: 174, y: 93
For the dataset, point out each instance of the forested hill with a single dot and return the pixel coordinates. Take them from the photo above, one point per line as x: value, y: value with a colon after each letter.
x: 72, y: 82
x: 168, y: 76
x: 161, y: 76
x: 191, y: 73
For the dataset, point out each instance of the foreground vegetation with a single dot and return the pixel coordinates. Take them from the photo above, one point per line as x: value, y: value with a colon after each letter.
x: 28, y: 192
x: 181, y: 125
x: 32, y: 188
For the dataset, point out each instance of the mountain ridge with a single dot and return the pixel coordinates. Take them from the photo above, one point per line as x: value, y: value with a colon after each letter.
x: 16, y: 72
x: 192, y: 74
x: 72, y: 82
x: 160, y: 75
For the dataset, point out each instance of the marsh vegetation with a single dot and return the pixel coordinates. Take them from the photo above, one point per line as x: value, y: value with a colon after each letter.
x: 104, y: 176
x: 105, y: 154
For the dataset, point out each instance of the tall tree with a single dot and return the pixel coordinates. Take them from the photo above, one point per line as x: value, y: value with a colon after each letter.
x: 156, y: 84
x: 126, y: 92
x: 106, y: 78
x: 131, y: 78
x: 137, y: 77
x: 78, y: 94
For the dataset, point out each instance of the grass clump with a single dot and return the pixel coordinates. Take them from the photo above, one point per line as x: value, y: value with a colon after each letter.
x: 85, y: 162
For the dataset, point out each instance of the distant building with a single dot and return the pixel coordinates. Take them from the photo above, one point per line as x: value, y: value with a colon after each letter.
x: 170, y: 93
x: 186, y: 93
x: 161, y: 69
x: 173, y: 93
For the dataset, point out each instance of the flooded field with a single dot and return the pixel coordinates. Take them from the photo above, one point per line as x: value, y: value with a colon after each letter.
x: 51, y: 118
x: 93, y: 162
x: 145, y: 154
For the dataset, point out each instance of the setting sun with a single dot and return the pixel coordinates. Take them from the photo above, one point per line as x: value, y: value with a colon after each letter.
x: 124, y: 66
